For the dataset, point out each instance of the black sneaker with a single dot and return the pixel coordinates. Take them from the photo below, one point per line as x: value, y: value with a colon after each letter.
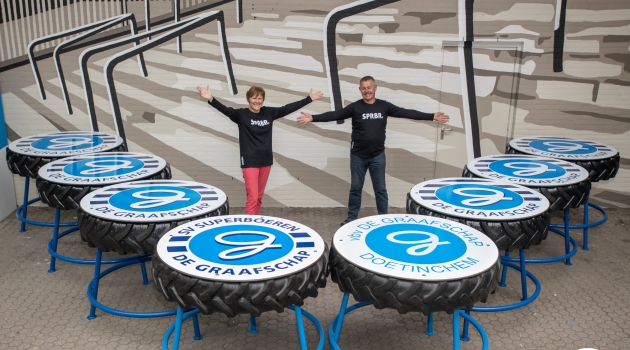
x: 344, y: 222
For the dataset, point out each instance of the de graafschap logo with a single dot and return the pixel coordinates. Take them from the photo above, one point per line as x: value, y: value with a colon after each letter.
x: 153, y: 201
x: 528, y: 170
x: 563, y: 148
x: 479, y: 199
x: 240, y: 248
x: 415, y: 247
x: 66, y: 143
x: 102, y: 168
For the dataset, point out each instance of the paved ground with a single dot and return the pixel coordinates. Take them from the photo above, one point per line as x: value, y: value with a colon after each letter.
x: 583, y: 306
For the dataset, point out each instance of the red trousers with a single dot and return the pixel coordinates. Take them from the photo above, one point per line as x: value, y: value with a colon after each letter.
x: 255, y: 182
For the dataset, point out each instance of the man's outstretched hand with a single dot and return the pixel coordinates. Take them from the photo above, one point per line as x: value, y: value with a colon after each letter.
x: 441, y: 117
x: 205, y: 93
x: 316, y: 95
x: 305, y: 118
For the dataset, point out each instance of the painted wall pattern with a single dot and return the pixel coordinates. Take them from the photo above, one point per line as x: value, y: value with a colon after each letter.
x: 553, y: 67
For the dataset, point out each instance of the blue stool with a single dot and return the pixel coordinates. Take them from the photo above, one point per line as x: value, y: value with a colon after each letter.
x: 27, y: 155
x: 601, y: 161
x: 152, y: 208
x: 64, y: 182
x: 240, y: 264
x: 413, y: 263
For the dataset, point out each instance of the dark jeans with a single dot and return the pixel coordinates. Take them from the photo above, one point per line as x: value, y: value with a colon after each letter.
x: 358, y: 168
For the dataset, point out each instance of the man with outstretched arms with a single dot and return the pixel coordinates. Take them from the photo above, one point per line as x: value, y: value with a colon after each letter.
x: 369, y: 120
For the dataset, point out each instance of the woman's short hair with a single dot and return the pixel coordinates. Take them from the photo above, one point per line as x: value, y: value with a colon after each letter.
x: 255, y: 91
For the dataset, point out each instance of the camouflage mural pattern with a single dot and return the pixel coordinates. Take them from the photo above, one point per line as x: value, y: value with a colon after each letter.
x: 539, y: 69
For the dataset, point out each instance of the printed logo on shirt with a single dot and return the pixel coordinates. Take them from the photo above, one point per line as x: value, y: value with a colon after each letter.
x: 260, y: 122
x: 372, y: 116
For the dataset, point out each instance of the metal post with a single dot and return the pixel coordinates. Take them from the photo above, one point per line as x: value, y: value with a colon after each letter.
x: 430, y: 331
x: 143, y: 268
x: 567, y: 235
x: 252, y: 324
x: 504, y: 272
x: 300, y: 327
x: 95, y: 282
x: 178, y: 327
x: 54, y: 240
x: 523, y: 273
x: 464, y: 336
x: 196, y: 328
x: 25, y: 203
x: 342, y: 313
x: 585, y: 236
x: 456, y: 330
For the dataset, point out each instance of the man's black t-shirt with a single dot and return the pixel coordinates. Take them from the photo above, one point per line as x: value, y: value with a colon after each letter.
x: 369, y: 122
x: 255, y: 129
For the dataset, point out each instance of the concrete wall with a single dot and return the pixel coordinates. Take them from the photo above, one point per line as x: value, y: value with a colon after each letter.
x: 573, y: 72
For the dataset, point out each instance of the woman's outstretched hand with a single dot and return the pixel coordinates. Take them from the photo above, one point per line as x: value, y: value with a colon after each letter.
x: 315, y: 95
x: 441, y: 117
x: 205, y: 93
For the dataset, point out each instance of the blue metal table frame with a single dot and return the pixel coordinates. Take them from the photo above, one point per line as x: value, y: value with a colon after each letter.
x: 585, y: 225
x: 22, y: 210
x: 335, y: 327
x: 92, y: 289
x: 52, y: 247
x: 176, y: 327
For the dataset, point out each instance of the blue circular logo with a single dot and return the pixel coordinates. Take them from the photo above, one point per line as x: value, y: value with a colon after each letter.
x: 477, y: 196
x: 532, y: 169
x: 563, y: 146
x: 241, y: 244
x: 155, y: 198
x: 416, y: 243
x: 103, y: 166
x: 67, y: 142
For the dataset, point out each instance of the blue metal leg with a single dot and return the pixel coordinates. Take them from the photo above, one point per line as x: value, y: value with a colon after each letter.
x: 482, y: 332
x: 178, y: 327
x: 196, y: 328
x: 300, y: 328
x: 430, y: 331
x: 143, y: 268
x: 456, y: 330
x: 504, y: 272
x: 54, y: 240
x: 585, y: 234
x: 342, y: 314
x: 25, y: 203
x: 252, y: 324
x: 567, y: 237
x: 95, y: 281
x: 465, y: 332
x: 521, y: 253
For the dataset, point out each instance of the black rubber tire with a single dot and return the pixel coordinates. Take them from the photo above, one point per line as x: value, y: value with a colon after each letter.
x: 507, y: 235
x: 560, y: 197
x: 28, y: 166
x: 233, y: 298
x: 412, y: 296
x: 127, y: 237
x: 599, y: 170
x: 68, y: 197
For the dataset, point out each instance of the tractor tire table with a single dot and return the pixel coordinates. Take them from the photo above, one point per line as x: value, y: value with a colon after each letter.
x: 130, y: 218
x: 413, y: 263
x: 513, y: 216
x: 600, y: 160
x: 240, y: 264
x: 63, y: 183
x: 565, y: 185
x: 27, y: 155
